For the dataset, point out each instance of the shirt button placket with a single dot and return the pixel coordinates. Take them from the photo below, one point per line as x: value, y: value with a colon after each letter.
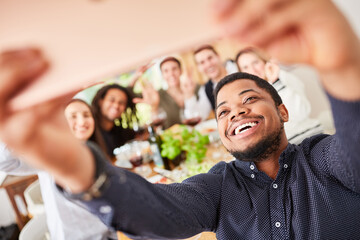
x: 278, y: 230
x: 252, y: 167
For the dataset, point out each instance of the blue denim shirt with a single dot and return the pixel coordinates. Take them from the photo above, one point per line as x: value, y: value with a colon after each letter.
x: 316, y: 194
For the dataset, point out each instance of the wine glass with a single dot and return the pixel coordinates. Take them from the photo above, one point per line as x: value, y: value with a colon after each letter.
x: 122, y: 156
x: 140, y: 131
x: 137, y: 159
x: 158, y: 119
x: 190, y: 118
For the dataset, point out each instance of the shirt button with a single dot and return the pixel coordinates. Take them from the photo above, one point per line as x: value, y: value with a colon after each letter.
x: 285, y: 165
x: 252, y: 167
x: 105, y: 209
x: 252, y: 175
x: 275, y: 186
x: 277, y: 224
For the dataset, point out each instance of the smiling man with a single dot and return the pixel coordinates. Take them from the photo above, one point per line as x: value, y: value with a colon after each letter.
x: 273, y: 190
x: 208, y: 63
x: 251, y: 119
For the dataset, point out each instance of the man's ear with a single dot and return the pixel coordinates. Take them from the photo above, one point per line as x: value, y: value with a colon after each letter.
x: 283, y: 112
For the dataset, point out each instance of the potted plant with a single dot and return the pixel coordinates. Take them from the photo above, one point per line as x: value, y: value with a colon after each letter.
x: 183, y: 142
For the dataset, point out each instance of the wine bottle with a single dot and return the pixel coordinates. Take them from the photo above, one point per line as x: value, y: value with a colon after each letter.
x: 155, y: 146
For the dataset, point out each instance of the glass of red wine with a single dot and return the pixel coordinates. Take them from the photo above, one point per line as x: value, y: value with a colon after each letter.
x: 190, y: 118
x: 158, y: 119
x: 140, y: 130
x: 135, y: 158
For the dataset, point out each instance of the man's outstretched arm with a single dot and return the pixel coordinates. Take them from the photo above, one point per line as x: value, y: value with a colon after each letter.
x: 40, y: 134
x: 303, y: 31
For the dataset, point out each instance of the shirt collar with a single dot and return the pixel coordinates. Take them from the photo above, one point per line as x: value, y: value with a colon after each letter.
x: 284, y: 160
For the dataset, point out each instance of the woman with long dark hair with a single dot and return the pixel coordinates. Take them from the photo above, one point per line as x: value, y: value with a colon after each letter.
x: 115, y: 112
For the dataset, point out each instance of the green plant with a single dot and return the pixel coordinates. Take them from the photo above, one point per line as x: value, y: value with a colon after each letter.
x: 191, y: 141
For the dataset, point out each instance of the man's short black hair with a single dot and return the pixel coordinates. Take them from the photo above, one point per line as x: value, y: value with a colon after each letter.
x: 261, y: 83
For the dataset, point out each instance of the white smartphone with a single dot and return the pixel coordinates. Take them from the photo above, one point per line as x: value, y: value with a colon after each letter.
x: 89, y: 40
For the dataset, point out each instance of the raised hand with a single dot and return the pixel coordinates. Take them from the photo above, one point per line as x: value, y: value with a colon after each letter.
x: 298, y: 31
x: 18, y: 68
x: 40, y: 134
x: 139, y: 72
x: 149, y: 96
x: 272, y: 71
x: 292, y: 31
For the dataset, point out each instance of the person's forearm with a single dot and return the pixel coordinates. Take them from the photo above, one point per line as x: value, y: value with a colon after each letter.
x: 343, y: 83
x: 12, y: 164
x: 156, y: 210
x: 133, y: 80
x: 65, y: 157
x: 343, y: 80
x: 79, y: 176
x: 343, y: 156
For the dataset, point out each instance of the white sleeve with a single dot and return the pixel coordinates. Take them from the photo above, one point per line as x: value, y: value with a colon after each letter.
x: 201, y: 105
x: 12, y: 165
x: 292, y: 92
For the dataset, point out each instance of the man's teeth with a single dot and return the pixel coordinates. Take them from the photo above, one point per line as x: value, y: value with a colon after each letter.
x: 244, y: 127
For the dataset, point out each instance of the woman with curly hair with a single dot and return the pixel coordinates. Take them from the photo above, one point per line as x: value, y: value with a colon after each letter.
x: 115, y: 112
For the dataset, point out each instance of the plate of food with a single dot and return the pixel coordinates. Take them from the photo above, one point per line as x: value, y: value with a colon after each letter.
x: 209, y: 127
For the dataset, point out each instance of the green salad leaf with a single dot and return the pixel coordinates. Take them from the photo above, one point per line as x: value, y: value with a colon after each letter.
x: 191, y: 141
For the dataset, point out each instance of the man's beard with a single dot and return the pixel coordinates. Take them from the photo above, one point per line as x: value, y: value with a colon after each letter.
x: 262, y: 150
